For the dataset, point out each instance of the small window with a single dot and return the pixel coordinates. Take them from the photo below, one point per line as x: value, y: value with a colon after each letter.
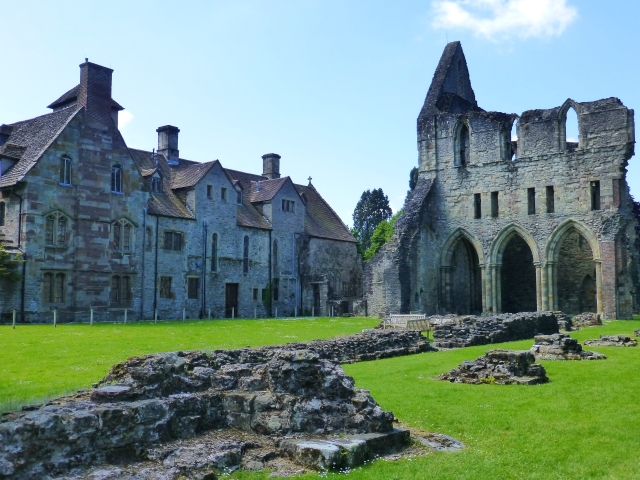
x: 214, y: 252
x: 53, y: 287
x: 65, y: 171
x: 463, y: 146
x: 288, y: 206
x: 595, y: 195
x: 115, y: 289
x: 124, y: 290
x: 531, y: 201
x: 120, y: 290
x: 276, y: 288
x: 55, y: 232
x: 193, y: 287
x: 116, y: 179
x: 165, y: 287
x: 275, y: 253
x: 173, y: 241
x: 122, y: 236
x: 156, y: 185
x: 3, y: 209
x: 239, y: 197
x: 209, y: 191
x: 148, y: 239
x: 255, y: 294
x: 550, y: 200
x: 245, y: 255
x: 494, y: 204
x: 477, y: 205
x: 223, y: 194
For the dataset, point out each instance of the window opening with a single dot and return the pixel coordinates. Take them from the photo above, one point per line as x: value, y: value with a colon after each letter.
x: 276, y: 288
x: 550, y: 200
x: 116, y: 179
x: 156, y: 185
x: 214, y: 252
x: 209, y: 191
x: 59, y: 288
x: 255, y: 294
x: 55, y: 232
x: 595, y: 195
x: 531, y: 201
x: 47, y: 288
x: 239, y: 197
x: 165, y: 287
x: 288, y: 205
x: 477, y: 206
x: 149, y: 239
x: 122, y: 236
x: 514, y: 141
x: 571, y: 129
x: 2, y: 213
x: 463, y: 146
x: 245, y: 255
x: 275, y: 253
x: 65, y: 171
x: 494, y: 204
x: 223, y: 194
x: 193, y: 287
x: 173, y: 241
x: 115, y: 289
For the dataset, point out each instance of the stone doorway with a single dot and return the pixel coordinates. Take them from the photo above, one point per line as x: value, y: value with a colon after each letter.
x: 465, y: 280
x: 231, y: 300
x: 518, y: 277
x: 576, y: 273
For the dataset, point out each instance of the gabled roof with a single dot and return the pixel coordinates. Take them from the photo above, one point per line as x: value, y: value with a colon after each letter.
x: 265, y: 190
x: 72, y: 97
x: 29, y: 139
x: 321, y: 220
x: 185, y: 176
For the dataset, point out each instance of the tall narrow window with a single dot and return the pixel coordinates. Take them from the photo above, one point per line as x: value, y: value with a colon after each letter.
x: 55, y: 231
x: 65, y: 171
x: 156, y: 185
x: 3, y: 210
x: 214, y: 252
x: 531, y: 201
x: 193, y: 287
x: 463, y: 146
x: 59, y: 291
x: 124, y: 290
x: 595, y: 195
x: 276, y: 288
x: 115, y: 289
x: 47, y: 288
x: 148, y: 239
x: 275, y: 253
x: 239, y: 197
x: 116, y: 179
x: 117, y: 236
x: 571, y: 130
x: 165, y: 287
x: 477, y: 205
x: 209, y: 191
x: 494, y: 204
x: 223, y: 194
x: 245, y: 255
x: 126, y: 237
x: 48, y: 229
x: 551, y: 208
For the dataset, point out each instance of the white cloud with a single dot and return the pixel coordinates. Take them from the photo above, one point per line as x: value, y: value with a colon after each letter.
x: 503, y: 19
x: 124, y: 117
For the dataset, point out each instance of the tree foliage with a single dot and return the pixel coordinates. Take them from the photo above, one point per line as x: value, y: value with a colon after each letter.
x: 8, y: 265
x: 381, y: 235
x: 413, y: 181
x: 372, y: 208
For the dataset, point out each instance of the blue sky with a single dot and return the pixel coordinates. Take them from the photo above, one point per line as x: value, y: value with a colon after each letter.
x: 334, y: 87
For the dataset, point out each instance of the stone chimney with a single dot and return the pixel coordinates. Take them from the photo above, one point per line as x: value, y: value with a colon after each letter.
x: 94, y: 94
x: 168, y: 143
x: 271, y: 165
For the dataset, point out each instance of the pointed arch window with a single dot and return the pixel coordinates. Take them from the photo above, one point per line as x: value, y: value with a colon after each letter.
x: 55, y: 232
x: 116, y: 179
x: 122, y: 233
x: 245, y: 255
x: 462, y: 146
x: 65, y: 171
x: 214, y: 252
x: 570, y: 138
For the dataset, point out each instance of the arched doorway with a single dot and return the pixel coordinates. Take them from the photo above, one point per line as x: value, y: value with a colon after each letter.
x: 465, y: 279
x: 576, y: 273
x: 518, y: 277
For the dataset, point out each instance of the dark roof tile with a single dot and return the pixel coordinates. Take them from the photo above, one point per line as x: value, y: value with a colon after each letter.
x: 321, y: 220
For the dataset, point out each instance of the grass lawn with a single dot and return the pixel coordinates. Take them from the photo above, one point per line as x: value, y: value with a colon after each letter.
x: 582, y: 424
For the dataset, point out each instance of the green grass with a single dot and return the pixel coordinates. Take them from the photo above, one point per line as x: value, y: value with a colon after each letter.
x: 582, y: 424
x: 38, y: 362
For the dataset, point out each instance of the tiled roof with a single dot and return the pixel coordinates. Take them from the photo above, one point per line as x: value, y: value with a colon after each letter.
x: 265, y: 190
x: 72, y: 96
x: 185, y: 176
x: 321, y: 220
x: 34, y: 136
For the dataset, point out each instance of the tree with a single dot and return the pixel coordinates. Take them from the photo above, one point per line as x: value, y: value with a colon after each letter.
x: 372, y: 208
x: 8, y: 264
x: 413, y: 181
x: 381, y: 235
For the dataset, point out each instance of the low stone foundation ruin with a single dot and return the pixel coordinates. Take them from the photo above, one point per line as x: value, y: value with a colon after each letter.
x: 560, y: 346
x: 276, y: 391
x: 587, y: 319
x: 612, y: 341
x: 503, y: 367
x: 453, y: 331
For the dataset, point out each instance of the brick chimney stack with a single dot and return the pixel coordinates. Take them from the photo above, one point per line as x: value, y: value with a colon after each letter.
x: 95, y: 94
x: 271, y: 165
x: 168, y: 143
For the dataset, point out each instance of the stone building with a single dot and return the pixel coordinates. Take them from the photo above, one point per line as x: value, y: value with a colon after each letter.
x: 502, y: 225
x: 131, y: 232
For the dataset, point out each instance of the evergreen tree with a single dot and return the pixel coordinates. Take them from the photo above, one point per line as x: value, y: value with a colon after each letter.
x: 372, y: 208
x: 8, y: 264
x: 381, y: 235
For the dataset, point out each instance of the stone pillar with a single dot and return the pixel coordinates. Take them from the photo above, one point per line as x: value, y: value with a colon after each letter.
x: 538, y: 287
x: 551, y: 286
x: 607, y: 295
x: 445, y: 289
x: 498, y: 284
x: 483, y: 282
x: 598, y: 286
x: 544, y: 289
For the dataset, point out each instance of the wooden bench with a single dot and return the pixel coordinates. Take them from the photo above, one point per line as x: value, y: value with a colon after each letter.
x: 402, y: 321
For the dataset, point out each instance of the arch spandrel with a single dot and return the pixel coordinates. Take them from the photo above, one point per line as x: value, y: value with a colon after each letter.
x: 453, y: 239
x: 502, y: 239
x: 552, y: 250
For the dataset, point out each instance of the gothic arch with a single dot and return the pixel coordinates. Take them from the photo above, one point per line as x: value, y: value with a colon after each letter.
x: 552, y: 250
x: 462, y: 134
x: 562, y: 124
x: 503, y: 238
x: 449, y: 246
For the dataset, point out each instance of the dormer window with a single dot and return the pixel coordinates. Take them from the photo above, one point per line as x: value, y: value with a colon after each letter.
x: 116, y: 179
x: 156, y: 185
x: 239, y: 197
x: 288, y: 205
x: 65, y: 171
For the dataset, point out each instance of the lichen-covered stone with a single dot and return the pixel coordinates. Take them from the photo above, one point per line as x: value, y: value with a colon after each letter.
x: 613, y: 341
x: 560, y: 346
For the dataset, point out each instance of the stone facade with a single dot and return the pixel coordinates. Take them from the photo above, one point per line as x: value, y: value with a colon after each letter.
x: 121, y: 231
x: 500, y: 225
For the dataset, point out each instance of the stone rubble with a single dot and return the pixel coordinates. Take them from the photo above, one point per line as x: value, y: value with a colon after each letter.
x: 502, y: 367
x: 586, y: 319
x: 452, y: 331
x: 613, y: 341
x: 168, y: 397
x: 560, y: 346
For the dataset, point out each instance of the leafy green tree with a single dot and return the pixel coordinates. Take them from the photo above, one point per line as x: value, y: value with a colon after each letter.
x: 372, y: 208
x: 413, y: 181
x: 8, y: 265
x: 381, y: 235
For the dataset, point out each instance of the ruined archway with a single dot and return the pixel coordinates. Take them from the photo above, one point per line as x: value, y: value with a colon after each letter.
x: 461, y: 290
x: 518, y: 277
